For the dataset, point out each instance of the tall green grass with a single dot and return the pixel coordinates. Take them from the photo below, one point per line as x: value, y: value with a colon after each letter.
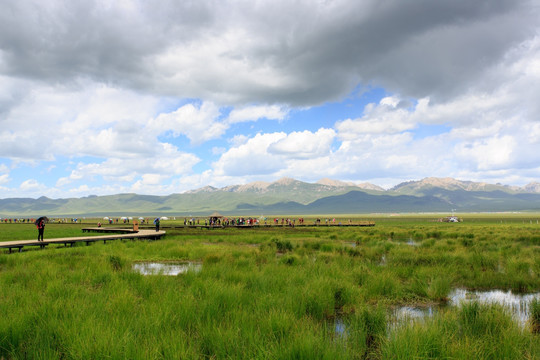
x: 472, y: 331
x: 271, y: 294
x: 535, y: 316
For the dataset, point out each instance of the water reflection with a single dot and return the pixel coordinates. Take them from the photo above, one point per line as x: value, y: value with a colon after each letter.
x: 517, y: 305
x: 413, y: 313
x: 166, y: 268
x: 411, y: 242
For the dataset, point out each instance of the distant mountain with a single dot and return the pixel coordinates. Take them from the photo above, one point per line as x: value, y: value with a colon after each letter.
x: 474, y: 196
x: 533, y: 187
x: 290, y: 196
x: 337, y: 183
x: 361, y: 202
x: 419, y: 187
x: 284, y: 189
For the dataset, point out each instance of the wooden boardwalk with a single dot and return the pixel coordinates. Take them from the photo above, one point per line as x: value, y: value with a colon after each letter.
x: 109, y: 230
x: 266, y: 226
x: 124, y: 234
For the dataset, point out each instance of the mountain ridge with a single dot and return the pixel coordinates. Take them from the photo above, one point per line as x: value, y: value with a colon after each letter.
x: 289, y: 195
x: 447, y: 183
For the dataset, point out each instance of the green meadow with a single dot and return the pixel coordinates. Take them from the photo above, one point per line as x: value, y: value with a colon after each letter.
x: 325, y: 292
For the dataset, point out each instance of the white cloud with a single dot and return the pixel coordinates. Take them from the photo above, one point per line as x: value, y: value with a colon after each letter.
x: 86, y: 119
x: 493, y: 126
x: 390, y: 116
x: 303, y: 155
x: 238, y: 140
x: 489, y: 154
x: 32, y: 186
x: 253, y: 113
x: 250, y: 158
x: 99, y: 84
x: 198, y: 123
x: 263, y: 52
x: 304, y: 145
x: 276, y: 154
x: 165, y: 163
x: 4, y: 179
x: 202, y: 122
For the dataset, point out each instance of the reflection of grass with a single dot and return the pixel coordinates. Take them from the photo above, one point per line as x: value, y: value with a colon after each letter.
x: 273, y: 300
x: 472, y: 331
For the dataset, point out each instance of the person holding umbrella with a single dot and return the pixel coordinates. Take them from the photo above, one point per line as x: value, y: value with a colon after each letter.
x: 40, y: 224
x: 156, y: 221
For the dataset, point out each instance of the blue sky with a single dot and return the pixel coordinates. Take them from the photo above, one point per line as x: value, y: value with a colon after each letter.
x: 105, y: 98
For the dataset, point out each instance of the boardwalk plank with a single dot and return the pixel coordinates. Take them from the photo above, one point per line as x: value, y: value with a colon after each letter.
x: 141, y: 234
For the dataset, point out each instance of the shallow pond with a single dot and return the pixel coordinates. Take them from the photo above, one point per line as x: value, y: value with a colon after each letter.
x: 166, y: 268
x: 411, y: 242
x: 517, y: 304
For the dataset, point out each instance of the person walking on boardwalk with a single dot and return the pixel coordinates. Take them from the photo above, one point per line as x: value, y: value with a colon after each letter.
x: 40, y: 224
x: 156, y: 221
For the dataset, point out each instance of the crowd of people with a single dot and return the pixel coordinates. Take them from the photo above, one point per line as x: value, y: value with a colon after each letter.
x: 31, y: 220
x: 210, y: 221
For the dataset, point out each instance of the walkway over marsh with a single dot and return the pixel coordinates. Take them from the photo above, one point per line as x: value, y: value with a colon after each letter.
x: 126, y: 234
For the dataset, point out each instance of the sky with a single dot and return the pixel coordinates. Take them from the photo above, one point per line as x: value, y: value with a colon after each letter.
x: 102, y: 97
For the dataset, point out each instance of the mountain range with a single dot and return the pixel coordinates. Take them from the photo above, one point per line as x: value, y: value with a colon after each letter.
x: 293, y: 197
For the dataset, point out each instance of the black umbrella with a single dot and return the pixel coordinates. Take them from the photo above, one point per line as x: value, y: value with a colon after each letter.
x: 44, y: 218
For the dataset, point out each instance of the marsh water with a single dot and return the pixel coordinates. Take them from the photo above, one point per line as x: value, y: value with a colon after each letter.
x: 517, y: 304
x: 166, y: 268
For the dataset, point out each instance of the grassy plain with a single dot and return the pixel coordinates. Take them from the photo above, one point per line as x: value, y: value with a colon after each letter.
x: 274, y: 293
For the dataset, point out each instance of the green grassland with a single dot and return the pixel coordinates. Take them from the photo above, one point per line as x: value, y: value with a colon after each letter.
x: 274, y: 293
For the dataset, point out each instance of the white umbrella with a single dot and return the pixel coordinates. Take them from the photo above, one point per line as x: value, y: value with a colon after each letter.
x: 164, y: 218
x: 141, y: 218
x: 106, y: 218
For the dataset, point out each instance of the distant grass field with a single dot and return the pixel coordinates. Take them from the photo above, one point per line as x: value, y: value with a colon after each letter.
x: 274, y: 293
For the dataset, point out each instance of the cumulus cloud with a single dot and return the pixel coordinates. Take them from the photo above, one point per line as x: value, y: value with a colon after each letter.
x: 253, y: 113
x: 491, y: 127
x: 304, y: 145
x: 4, y: 179
x: 203, y: 122
x: 250, y: 158
x: 101, y: 82
x: 32, y: 186
x: 198, y: 123
x: 391, y: 115
x: 167, y: 162
x: 298, y: 154
x: 88, y: 119
x: 489, y: 154
x: 245, y: 52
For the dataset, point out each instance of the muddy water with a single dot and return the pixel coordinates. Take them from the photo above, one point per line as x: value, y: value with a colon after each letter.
x: 166, y: 268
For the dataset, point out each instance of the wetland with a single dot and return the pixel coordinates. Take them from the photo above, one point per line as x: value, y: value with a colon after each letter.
x: 459, y: 290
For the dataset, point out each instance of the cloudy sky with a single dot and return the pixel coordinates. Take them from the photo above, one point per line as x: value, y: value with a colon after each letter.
x: 159, y: 97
